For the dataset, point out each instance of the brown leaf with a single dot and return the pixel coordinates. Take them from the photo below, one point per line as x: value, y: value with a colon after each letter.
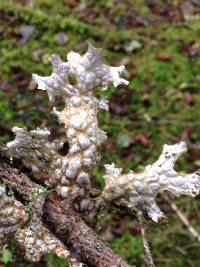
x: 134, y: 229
x: 144, y: 139
x: 119, y: 229
x: 109, y: 146
x: 163, y: 56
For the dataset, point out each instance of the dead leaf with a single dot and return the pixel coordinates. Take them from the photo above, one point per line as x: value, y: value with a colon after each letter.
x: 164, y: 56
x: 144, y: 139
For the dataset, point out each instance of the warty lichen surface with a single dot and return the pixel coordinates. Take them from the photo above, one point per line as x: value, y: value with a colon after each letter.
x: 139, y: 190
x: 71, y: 174
x: 35, y: 239
x: 12, y: 217
x: 31, y: 235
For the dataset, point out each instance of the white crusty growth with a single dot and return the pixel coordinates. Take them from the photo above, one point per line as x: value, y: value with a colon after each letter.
x: 79, y: 117
x: 74, y: 81
x: 35, y: 150
x: 139, y: 190
x: 36, y: 240
x: 12, y: 217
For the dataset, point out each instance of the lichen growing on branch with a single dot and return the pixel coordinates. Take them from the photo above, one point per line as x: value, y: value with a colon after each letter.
x: 75, y: 81
x: 71, y: 173
x: 35, y: 239
x: 12, y: 217
x: 35, y: 150
x: 139, y: 190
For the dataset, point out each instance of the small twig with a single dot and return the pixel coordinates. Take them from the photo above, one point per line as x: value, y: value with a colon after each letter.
x: 147, y: 252
x: 182, y: 217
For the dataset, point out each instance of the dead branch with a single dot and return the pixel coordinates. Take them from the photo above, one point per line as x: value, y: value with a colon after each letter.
x: 60, y: 217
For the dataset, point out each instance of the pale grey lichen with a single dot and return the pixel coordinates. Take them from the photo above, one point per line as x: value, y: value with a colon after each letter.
x: 75, y: 81
x: 71, y: 173
x: 12, y: 217
x: 31, y: 235
x: 139, y: 190
x: 35, y: 150
x: 35, y: 239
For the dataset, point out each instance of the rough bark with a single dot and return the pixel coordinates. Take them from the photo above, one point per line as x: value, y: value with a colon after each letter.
x: 15, y: 178
x: 60, y: 217
x: 68, y: 225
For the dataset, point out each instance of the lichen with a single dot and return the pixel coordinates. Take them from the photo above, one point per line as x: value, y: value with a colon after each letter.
x: 36, y: 240
x: 70, y: 173
x: 75, y: 81
x: 12, y: 217
x: 139, y: 190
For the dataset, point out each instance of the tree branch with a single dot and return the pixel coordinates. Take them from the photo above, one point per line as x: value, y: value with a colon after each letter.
x: 60, y: 217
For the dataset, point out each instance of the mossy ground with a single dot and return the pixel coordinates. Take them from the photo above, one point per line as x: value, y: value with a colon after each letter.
x: 161, y: 104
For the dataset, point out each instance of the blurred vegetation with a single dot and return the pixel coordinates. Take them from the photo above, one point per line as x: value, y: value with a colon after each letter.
x: 158, y: 41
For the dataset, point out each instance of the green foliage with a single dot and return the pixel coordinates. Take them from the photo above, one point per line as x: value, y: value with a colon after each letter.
x: 52, y: 260
x: 129, y: 248
x: 6, y: 256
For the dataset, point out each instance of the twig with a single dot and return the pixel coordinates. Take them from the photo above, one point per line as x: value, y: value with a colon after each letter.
x: 182, y: 217
x: 147, y: 252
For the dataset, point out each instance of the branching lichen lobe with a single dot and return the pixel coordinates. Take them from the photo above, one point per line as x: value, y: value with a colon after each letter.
x: 139, y: 190
x: 70, y: 175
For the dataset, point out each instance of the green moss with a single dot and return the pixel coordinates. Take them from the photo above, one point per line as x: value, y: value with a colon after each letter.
x: 130, y: 248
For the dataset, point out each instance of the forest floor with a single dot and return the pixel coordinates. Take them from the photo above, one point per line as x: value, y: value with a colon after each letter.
x: 159, y: 43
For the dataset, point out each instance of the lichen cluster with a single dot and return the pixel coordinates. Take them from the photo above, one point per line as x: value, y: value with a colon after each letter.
x: 35, y: 150
x: 139, y: 190
x: 36, y: 240
x: 71, y: 173
x: 74, y: 81
x: 79, y: 117
x: 12, y: 217
x: 31, y: 235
